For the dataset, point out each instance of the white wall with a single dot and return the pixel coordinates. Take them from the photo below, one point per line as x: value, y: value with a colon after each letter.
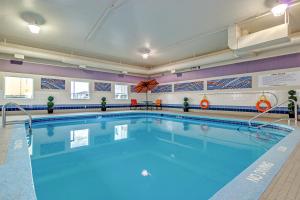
x: 240, y: 98
x: 63, y: 96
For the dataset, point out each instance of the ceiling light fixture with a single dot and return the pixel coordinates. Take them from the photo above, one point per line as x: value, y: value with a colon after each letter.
x: 34, y: 28
x: 280, y: 9
x: 145, y: 56
x: 145, y: 53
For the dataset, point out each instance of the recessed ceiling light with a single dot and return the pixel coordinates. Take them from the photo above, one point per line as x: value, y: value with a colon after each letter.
x: 145, y: 56
x: 34, y: 28
x: 145, y: 52
x: 82, y: 66
x: 279, y: 10
x: 19, y: 56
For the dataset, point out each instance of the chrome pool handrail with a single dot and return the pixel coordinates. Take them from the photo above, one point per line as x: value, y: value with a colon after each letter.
x: 276, y: 106
x: 278, y: 120
x: 20, y: 108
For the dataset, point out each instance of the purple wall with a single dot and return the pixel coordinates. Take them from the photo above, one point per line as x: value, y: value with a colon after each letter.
x: 49, y: 70
x: 280, y: 62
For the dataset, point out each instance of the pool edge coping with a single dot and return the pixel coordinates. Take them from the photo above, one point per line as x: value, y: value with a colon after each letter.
x: 17, y: 182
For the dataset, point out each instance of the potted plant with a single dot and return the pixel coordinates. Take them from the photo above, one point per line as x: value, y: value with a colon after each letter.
x: 103, y: 104
x: 50, y: 104
x: 291, y: 105
x: 185, y: 104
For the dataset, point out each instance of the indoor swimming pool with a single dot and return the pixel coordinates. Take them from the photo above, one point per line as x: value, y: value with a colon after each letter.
x: 141, y: 156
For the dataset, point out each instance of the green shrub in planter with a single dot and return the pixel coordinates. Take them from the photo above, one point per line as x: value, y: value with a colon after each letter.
x: 103, y: 104
x: 291, y: 106
x: 50, y: 104
x: 185, y: 104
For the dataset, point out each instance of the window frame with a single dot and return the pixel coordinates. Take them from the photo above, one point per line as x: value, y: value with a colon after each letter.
x: 115, y: 91
x: 20, y: 77
x: 89, y: 90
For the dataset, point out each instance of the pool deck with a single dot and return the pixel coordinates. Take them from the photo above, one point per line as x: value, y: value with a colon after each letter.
x: 284, y: 186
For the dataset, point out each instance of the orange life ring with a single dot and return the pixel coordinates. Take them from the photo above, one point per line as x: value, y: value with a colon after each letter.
x: 204, y: 104
x: 263, y: 101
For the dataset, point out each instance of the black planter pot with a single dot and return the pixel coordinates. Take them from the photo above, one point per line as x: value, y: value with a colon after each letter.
x: 103, y: 108
x: 291, y: 115
x: 50, y: 110
x: 185, y: 109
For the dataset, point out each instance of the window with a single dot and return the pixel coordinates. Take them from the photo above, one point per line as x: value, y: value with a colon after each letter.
x: 121, y: 91
x: 80, y: 90
x: 18, y: 88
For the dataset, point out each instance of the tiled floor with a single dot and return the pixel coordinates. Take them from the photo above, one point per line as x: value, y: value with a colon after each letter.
x: 4, y: 138
x: 285, y: 186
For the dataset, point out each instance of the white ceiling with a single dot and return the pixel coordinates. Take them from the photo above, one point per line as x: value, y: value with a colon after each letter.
x: 174, y: 29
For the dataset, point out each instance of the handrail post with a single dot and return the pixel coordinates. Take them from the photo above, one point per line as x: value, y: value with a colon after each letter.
x: 295, y: 111
x: 18, y: 106
x: 3, y: 116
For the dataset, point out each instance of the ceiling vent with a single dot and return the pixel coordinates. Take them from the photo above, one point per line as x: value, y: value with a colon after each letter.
x: 16, y: 62
x: 179, y: 75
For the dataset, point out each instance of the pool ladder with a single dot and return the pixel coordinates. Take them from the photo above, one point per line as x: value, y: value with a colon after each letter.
x: 278, y: 120
x: 4, y: 122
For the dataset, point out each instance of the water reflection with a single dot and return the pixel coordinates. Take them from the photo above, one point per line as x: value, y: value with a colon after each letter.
x: 50, y: 130
x: 79, y: 138
x: 133, y: 121
x: 103, y: 125
x: 185, y: 126
x: 60, y: 138
x: 204, y: 128
x: 121, y: 132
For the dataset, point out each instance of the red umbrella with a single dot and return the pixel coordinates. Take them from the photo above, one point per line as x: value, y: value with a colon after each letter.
x: 145, y: 86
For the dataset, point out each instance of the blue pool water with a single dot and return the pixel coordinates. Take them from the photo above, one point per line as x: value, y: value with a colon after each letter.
x: 140, y: 157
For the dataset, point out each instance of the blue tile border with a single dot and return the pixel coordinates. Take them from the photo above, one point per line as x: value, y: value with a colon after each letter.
x: 279, y: 110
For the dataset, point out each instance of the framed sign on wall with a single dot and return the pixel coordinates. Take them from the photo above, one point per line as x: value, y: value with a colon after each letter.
x: 279, y: 79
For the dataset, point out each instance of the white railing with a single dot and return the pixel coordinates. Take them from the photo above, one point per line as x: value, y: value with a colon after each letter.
x: 276, y: 106
x: 4, y: 123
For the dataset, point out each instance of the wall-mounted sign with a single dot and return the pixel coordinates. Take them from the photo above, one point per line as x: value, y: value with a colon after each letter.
x: 54, y: 84
x: 230, y: 83
x: 99, y: 86
x: 189, y: 86
x: 162, y: 88
x: 279, y: 79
